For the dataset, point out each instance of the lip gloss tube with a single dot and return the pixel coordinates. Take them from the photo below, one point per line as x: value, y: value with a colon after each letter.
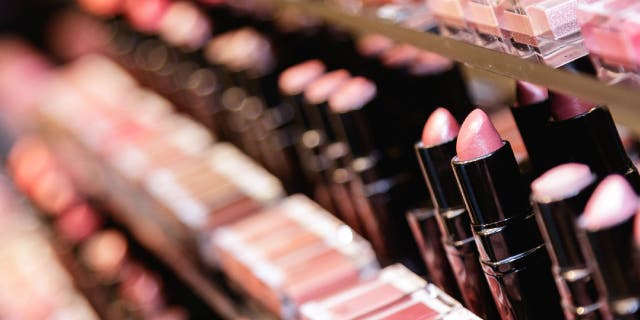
x: 451, y: 20
x: 482, y: 19
x: 608, y: 28
x: 559, y: 196
x: 450, y: 213
x: 608, y: 241
x: 512, y: 251
x: 549, y: 28
x: 392, y: 284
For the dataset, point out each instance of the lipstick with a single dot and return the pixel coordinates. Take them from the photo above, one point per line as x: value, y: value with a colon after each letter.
x: 587, y: 134
x: 435, y: 151
x: 559, y: 197
x: 531, y: 113
x: 512, y: 252
x: 608, y: 224
x: 292, y: 83
x: 361, y: 121
x: 330, y: 166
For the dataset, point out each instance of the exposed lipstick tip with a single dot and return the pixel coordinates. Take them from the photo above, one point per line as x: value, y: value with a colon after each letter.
x: 354, y: 94
x: 565, y: 107
x: 321, y: 89
x: 296, y: 78
x: 441, y: 127
x: 561, y: 182
x: 529, y: 93
x: 612, y: 202
x: 478, y: 137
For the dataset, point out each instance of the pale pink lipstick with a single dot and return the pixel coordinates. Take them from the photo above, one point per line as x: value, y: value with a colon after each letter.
x: 559, y: 196
x: 512, y: 251
x: 608, y: 225
x: 478, y: 137
x: 294, y: 80
x: 441, y: 127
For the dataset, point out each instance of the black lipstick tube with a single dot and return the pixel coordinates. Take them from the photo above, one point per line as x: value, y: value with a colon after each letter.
x: 557, y: 219
x: 512, y: 252
x: 454, y: 225
x: 427, y: 233
x: 376, y: 179
x: 611, y: 251
x: 592, y: 138
x: 533, y: 124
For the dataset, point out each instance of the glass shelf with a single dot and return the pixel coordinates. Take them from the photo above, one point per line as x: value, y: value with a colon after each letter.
x: 621, y: 100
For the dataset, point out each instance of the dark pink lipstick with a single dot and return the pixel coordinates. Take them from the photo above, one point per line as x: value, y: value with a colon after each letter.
x: 512, y: 252
x: 608, y: 224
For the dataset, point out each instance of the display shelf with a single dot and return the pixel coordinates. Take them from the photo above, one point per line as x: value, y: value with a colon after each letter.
x: 150, y: 228
x: 621, y: 100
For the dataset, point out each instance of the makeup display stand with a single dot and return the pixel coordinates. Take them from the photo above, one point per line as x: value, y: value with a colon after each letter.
x: 155, y: 228
x: 621, y: 100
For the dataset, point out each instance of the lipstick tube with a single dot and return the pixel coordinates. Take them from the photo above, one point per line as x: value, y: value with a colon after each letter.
x: 557, y: 221
x: 611, y: 250
x: 453, y: 221
x: 512, y: 252
x: 592, y: 138
x: 329, y: 157
x: 428, y: 236
x: 381, y: 190
x: 533, y: 124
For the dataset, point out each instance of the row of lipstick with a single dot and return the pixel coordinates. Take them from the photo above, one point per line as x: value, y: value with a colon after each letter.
x: 132, y: 289
x: 363, y: 94
x: 590, y: 138
x: 479, y: 192
x: 312, y: 257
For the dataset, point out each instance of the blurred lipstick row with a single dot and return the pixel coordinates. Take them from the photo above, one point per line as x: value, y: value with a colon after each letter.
x: 132, y: 289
